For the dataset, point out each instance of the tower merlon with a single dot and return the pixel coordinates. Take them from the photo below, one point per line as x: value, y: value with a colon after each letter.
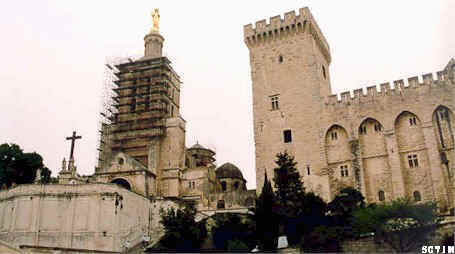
x: 399, y: 84
x: 428, y: 78
x: 290, y: 24
x: 399, y: 89
x: 385, y: 87
x: 372, y: 90
x: 345, y: 96
x: 413, y: 81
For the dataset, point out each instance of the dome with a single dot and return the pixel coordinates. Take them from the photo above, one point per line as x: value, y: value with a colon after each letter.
x: 197, y: 146
x: 228, y: 170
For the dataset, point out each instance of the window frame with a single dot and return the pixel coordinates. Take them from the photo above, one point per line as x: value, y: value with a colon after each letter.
x: 275, y: 100
x: 363, y: 129
x: 417, y: 196
x: 381, y: 195
x: 287, y: 136
x: 413, y: 161
x: 334, y: 135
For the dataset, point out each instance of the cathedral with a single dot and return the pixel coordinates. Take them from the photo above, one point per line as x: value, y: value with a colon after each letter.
x: 395, y: 141
x: 392, y: 142
x: 144, y: 167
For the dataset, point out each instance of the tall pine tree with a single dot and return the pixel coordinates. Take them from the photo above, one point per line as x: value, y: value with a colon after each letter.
x: 266, y: 217
x: 290, y: 197
x: 288, y: 184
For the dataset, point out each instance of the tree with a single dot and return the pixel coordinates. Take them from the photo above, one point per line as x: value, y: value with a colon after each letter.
x: 266, y: 217
x: 299, y: 212
x: 46, y: 176
x: 233, y: 233
x: 401, y: 223
x: 182, y: 232
x: 289, y: 186
x: 19, y: 167
x: 342, y: 207
x: 346, y: 201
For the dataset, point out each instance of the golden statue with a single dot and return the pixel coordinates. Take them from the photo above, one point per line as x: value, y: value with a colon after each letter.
x: 156, y: 20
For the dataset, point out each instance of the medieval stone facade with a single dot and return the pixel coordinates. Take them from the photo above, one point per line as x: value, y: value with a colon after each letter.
x: 391, y: 143
x: 144, y: 166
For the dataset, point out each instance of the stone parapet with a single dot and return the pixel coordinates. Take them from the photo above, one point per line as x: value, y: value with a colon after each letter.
x: 281, y: 28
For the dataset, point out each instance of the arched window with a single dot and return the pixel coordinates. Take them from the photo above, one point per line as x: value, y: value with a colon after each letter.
x: 381, y: 195
x: 122, y: 183
x: 417, y: 196
x: 280, y: 59
x: 223, y: 186
x: 236, y: 185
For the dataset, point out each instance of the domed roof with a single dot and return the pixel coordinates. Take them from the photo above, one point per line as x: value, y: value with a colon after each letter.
x: 228, y: 170
x: 197, y: 146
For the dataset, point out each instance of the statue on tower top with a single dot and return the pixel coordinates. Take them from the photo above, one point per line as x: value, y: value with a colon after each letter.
x: 156, y: 20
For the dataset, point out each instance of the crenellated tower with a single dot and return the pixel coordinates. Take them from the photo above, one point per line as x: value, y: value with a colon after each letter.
x: 391, y: 142
x: 289, y: 60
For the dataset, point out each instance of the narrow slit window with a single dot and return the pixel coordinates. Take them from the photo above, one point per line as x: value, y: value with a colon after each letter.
x: 287, y: 136
x: 133, y: 105
x: 381, y: 195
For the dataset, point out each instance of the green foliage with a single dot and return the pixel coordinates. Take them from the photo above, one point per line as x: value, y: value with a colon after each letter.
x: 182, y: 232
x: 266, y: 217
x: 19, y: 167
x: 346, y: 201
x: 322, y: 239
x: 233, y: 232
x: 341, y: 209
x: 403, y: 224
x: 46, y: 176
x: 289, y: 186
x: 236, y: 246
x: 299, y: 212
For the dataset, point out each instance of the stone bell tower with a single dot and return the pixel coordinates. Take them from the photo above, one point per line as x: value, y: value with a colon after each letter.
x: 146, y: 126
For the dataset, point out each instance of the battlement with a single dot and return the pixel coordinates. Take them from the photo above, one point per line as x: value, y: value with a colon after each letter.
x: 277, y: 28
x: 443, y: 78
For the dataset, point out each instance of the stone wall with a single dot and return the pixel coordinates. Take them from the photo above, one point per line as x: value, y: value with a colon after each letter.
x: 354, y: 139
x: 88, y: 216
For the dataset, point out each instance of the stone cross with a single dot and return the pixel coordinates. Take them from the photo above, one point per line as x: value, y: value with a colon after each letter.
x: 73, y: 139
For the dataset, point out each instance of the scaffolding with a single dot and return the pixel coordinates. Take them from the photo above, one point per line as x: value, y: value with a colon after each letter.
x: 136, y: 101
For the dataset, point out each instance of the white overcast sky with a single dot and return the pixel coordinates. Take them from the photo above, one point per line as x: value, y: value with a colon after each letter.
x: 53, y: 54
